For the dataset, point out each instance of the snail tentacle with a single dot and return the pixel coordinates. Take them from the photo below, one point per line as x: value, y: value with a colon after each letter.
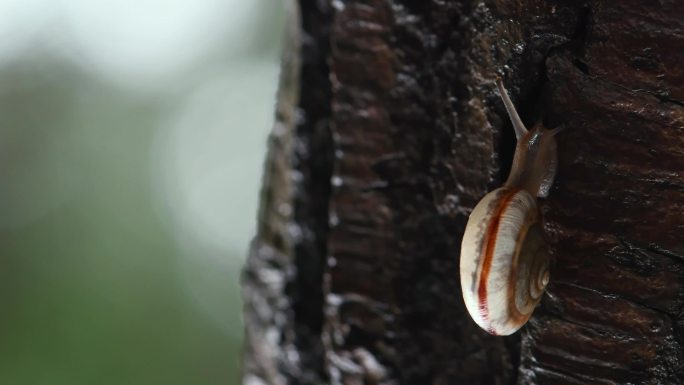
x: 518, y: 126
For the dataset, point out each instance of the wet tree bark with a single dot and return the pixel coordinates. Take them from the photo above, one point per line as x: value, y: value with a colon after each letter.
x: 388, y: 132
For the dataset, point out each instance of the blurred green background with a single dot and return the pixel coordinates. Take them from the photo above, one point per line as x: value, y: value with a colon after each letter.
x: 132, y: 136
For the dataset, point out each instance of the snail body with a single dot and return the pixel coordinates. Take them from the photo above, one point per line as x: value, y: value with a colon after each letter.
x: 504, y: 256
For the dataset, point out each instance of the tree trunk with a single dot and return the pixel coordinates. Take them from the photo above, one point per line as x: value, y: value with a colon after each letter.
x: 389, y: 131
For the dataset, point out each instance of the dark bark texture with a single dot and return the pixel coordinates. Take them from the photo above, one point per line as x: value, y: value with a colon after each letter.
x: 389, y: 131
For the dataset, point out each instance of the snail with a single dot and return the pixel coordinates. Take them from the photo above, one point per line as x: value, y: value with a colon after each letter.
x: 504, y: 255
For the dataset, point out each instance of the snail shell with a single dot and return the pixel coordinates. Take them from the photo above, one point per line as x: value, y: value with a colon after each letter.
x: 504, y: 257
x: 504, y: 260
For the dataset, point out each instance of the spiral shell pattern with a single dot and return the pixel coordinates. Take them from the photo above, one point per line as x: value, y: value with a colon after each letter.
x: 504, y: 260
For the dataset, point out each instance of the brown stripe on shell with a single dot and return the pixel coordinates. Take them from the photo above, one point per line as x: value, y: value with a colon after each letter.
x: 488, y: 253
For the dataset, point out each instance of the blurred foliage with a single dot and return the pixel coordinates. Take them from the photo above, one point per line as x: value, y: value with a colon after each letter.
x: 96, y: 284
